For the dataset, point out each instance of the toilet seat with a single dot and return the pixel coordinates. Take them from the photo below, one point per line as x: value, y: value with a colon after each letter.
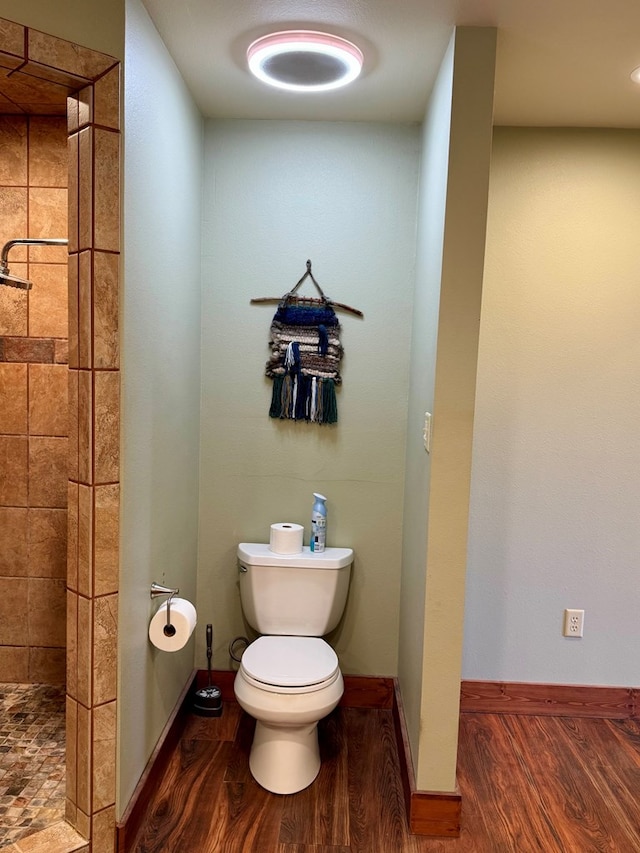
x: 290, y: 664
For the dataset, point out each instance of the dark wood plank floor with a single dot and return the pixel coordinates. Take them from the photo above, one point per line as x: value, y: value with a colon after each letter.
x: 529, y: 784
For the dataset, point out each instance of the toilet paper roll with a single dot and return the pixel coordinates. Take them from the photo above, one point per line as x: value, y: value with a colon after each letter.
x: 182, y: 622
x: 286, y: 538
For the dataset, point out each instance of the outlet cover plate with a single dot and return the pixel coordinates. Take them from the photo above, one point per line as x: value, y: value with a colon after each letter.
x: 573, y: 623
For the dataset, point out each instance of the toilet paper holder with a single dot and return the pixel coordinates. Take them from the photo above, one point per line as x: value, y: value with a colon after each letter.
x: 156, y: 590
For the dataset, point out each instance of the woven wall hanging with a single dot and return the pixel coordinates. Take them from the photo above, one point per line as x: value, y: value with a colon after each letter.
x: 305, y: 355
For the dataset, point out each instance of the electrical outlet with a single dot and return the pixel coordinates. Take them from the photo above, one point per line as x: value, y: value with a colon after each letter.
x: 573, y: 623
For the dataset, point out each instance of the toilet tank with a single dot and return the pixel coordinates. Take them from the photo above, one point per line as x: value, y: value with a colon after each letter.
x: 302, y: 594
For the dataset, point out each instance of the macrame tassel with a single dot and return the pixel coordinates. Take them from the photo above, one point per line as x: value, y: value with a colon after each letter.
x: 292, y: 357
x: 323, y: 339
x: 304, y: 398
x: 313, y: 415
x: 329, y: 402
x: 276, y: 410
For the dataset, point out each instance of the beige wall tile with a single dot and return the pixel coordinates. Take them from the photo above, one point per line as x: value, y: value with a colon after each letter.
x: 48, y: 163
x: 106, y: 426
x: 13, y: 220
x: 103, y: 825
x: 85, y: 189
x: 85, y: 427
x: 71, y: 720
x: 73, y: 424
x: 35, y: 350
x: 72, y: 536
x: 12, y: 37
x: 72, y: 644
x: 14, y: 596
x: 61, y: 351
x: 48, y: 211
x: 71, y: 813
x: 106, y: 536
x: 13, y: 396
x: 67, y: 56
x: 84, y: 309
x: 85, y: 106
x: 72, y: 114
x: 14, y: 664
x: 106, y: 338
x: 105, y: 645
x: 34, y: 94
x: 13, y: 144
x: 48, y: 309
x: 104, y: 756
x: 84, y: 759
x: 13, y: 470
x: 13, y: 305
x: 14, y: 550
x: 85, y: 636
x: 73, y: 309
x: 107, y: 190
x: 47, y: 539
x: 48, y: 399
x: 73, y: 190
x: 83, y: 824
x: 47, y: 665
x: 48, y: 458
x: 47, y: 612
x: 107, y: 98
x: 85, y: 540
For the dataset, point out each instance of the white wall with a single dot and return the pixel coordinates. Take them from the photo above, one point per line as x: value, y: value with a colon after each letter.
x: 344, y: 196
x: 554, y: 511
x: 424, y: 339
x: 161, y: 381
x: 450, y: 259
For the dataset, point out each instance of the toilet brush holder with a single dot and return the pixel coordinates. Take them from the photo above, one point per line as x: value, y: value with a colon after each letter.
x: 207, y: 701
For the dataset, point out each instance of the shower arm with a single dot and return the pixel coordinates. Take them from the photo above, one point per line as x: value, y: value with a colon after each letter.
x: 27, y: 241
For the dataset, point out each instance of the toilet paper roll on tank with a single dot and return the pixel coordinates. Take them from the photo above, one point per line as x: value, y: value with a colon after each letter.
x: 286, y: 538
x: 173, y: 635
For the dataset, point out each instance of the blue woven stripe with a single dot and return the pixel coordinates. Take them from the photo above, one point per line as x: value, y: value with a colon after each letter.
x: 301, y: 315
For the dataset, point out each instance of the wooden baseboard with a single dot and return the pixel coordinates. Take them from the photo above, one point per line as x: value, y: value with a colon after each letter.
x: 360, y: 691
x: 367, y: 691
x: 127, y: 828
x: 432, y: 813
x: 555, y: 700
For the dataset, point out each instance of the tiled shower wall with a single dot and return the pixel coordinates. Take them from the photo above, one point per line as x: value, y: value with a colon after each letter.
x: 33, y: 402
x: 35, y: 68
x: 94, y: 460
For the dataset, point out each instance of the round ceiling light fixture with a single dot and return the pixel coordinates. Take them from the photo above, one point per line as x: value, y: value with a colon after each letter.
x: 304, y: 60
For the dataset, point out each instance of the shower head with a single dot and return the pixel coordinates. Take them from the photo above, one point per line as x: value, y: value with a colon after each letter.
x: 13, y: 280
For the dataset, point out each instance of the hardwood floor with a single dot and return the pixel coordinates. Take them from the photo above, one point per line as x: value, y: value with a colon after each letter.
x: 549, y: 784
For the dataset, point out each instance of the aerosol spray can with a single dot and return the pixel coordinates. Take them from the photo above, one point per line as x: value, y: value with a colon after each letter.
x: 318, y: 524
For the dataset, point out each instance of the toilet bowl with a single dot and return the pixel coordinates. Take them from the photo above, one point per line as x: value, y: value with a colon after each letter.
x: 287, y: 684
x: 289, y: 678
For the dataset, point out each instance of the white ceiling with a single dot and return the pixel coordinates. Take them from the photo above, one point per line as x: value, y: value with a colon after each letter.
x: 560, y: 62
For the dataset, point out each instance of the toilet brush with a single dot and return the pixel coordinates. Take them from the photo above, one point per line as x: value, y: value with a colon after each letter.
x: 207, y: 701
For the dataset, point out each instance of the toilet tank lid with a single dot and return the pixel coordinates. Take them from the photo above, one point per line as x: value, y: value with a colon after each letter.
x: 257, y: 554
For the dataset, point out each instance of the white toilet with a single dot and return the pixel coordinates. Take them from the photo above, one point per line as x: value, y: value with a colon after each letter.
x: 289, y: 678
